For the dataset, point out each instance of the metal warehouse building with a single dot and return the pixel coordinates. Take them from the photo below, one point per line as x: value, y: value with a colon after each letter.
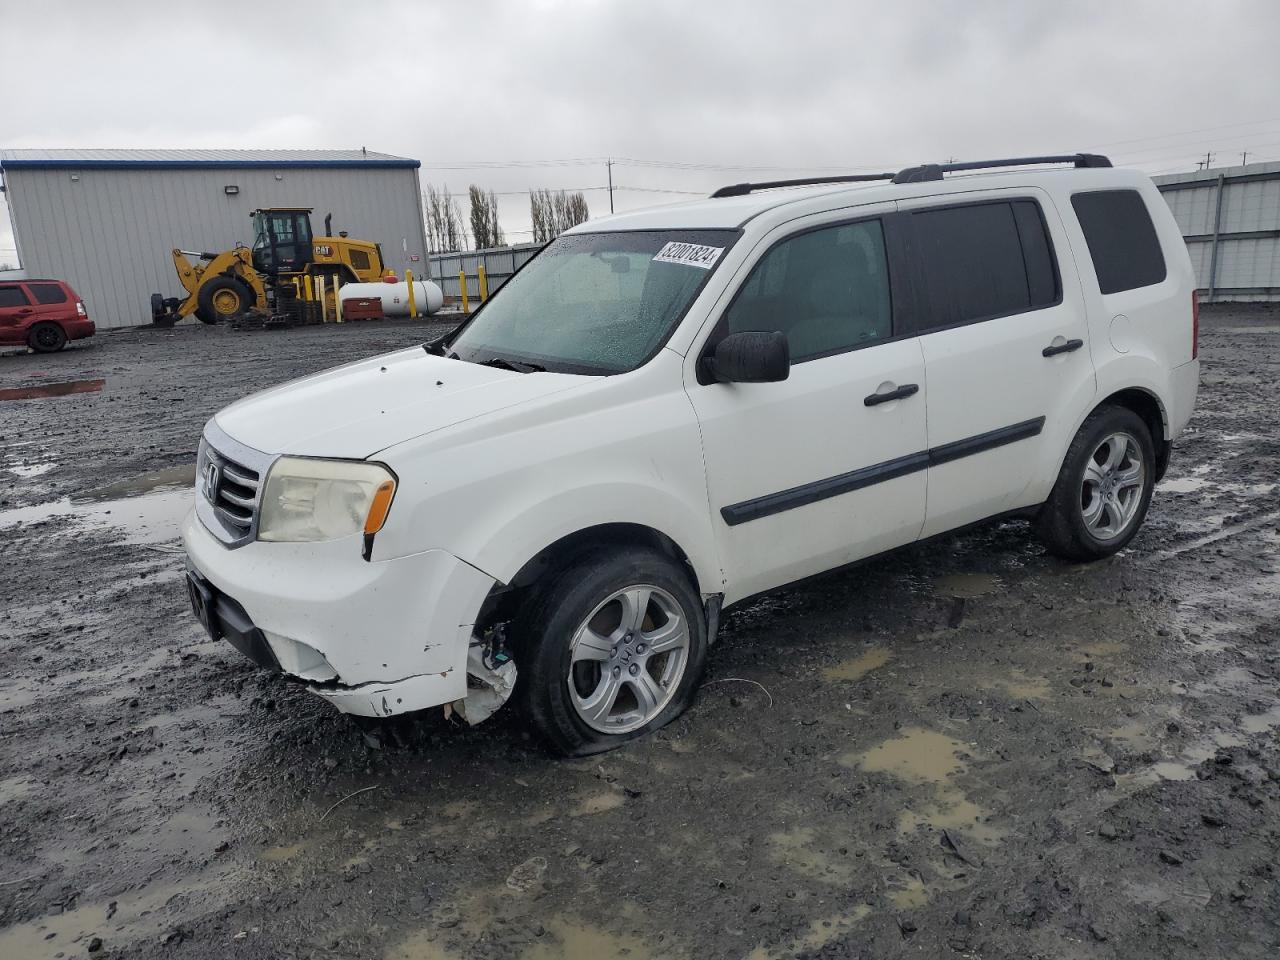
x: 106, y: 221
x: 1230, y: 218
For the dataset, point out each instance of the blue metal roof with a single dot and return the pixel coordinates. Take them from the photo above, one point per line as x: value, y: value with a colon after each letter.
x: 188, y: 159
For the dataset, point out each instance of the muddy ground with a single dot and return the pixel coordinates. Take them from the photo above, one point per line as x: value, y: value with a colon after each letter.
x: 966, y: 749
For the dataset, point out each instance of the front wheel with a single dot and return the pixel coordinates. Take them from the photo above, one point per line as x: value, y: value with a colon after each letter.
x: 1104, y: 488
x: 612, y: 650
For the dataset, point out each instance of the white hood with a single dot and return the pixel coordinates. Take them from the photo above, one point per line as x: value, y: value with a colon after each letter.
x: 356, y: 410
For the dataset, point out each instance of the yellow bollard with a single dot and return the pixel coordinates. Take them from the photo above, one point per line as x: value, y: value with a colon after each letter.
x: 484, y: 284
x: 307, y: 288
x: 337, y: 302
x: 413, y: 303
x: 324, y: 307
x: 462, y: 284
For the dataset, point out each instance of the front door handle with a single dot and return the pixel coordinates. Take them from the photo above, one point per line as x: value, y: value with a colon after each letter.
x: 1065, y: 347
x: 906, y: 390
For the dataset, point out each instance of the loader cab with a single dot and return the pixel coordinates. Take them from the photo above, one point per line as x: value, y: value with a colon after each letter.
x: 282, y: 240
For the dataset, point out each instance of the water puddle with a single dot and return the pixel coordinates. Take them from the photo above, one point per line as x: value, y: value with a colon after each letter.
x: 1261, y: 722
x: 1184, y: 484
x: 860, y: 666
x: 821, y: 932
x: 578, y: 941
x: 52, y: 390
x: 126, y: 919
x: 951, y: 810
x: 919, y: 755
x: 906, y: 893
x: 29, y: 471
x: 147, y: 509
x: 967, y: 586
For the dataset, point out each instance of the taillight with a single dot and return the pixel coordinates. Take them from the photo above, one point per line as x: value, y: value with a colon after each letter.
x: 80, y: 310
x: 1195, y: 325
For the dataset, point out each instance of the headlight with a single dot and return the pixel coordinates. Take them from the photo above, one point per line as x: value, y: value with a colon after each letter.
x: 309, y: 500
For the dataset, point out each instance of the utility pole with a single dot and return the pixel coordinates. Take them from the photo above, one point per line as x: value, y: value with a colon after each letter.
x: 608, y: 165
x: 1208, y: 159
x: 1244, y: 158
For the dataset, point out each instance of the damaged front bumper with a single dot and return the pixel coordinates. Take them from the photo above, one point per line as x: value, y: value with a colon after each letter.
x: 374, y: 638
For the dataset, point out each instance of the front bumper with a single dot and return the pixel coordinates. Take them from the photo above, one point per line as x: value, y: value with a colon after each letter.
x: 374, y: 638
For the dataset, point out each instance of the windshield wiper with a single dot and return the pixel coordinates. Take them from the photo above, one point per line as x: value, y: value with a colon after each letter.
x: 519, y: 366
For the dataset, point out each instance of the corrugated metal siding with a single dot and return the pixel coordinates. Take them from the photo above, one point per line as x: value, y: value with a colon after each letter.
x: 1248, y: 267
x: 110, y: 233
x: 193, y: 156
x: 499, y: 264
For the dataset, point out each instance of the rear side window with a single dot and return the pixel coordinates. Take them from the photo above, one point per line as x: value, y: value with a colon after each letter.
x: 1122, y: 239
x: 47, y: 292
x: 12, y: 297
x: 827, y: 290
x: 985, y: 260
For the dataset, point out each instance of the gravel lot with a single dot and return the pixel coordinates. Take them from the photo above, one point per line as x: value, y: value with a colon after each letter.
x: 965, y: 749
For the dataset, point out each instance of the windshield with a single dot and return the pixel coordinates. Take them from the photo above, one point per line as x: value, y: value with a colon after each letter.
x: 596, y: 303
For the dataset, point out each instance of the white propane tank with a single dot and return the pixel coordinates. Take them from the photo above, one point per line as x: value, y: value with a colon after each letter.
x: 395, y: 296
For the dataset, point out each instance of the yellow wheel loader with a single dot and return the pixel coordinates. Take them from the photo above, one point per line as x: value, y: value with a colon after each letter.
x: 224, y: 285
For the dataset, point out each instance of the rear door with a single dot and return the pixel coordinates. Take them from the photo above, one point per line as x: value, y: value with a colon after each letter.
x: 16, y: 313
x: 50, y: 301
x: 824, y: 467
x: 1005, y: 350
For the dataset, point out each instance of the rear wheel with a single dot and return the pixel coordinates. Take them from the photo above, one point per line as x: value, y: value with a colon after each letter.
x: 47, y: 337
x: 612, y: 650
x: 1104, y: 487
x: 221, y: 299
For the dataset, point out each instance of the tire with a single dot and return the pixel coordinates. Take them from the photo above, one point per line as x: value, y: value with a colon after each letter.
x: 582, y: 610
x: 1103, y: 489
x: 46, y: 337
x: 221, y: 299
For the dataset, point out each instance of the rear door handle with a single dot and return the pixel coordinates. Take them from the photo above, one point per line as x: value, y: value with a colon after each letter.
x: 906, y: 390
x: 1065, y: 347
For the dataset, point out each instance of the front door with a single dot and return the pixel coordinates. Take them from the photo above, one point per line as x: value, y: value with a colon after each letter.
x: 827, y: 466
x: 1006, y: 352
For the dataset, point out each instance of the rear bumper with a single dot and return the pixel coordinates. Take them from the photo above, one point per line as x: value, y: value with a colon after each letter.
x: 1184, y: 385
x: 79, y: 329
x: 374, y: 638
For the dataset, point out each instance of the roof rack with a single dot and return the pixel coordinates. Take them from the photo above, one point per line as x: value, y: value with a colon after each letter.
x: 920, y: 174
x: 742, y: 189
x: 934, y: 171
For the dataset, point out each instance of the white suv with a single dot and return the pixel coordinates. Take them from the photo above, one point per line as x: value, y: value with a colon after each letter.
x: 667, y: 412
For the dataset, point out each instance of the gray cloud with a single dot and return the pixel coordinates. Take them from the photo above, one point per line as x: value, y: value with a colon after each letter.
x: 800, y: 84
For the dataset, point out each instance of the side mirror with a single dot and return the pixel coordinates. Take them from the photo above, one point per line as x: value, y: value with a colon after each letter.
x: 752, y: 356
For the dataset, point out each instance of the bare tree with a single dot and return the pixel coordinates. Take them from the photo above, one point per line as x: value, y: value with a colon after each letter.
x: 554, y: 212
x: 484, y: 218
x: 446, y: 231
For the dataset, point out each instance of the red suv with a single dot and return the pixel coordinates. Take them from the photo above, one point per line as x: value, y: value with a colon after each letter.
x: 43, y: 314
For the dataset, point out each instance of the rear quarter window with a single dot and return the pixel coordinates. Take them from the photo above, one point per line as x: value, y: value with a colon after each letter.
x: 1122, y: 239
x: 47, y: 292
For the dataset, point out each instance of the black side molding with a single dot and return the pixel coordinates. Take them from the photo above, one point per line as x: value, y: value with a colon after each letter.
x: 808, y: 493
x: 772, y: 503
x: 985, y: 441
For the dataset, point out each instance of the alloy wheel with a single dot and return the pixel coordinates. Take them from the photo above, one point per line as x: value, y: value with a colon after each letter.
x: 1112, y: 486
x: 627, y: 659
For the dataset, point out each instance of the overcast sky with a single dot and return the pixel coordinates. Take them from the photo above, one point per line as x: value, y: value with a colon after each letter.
x: 798, y: 86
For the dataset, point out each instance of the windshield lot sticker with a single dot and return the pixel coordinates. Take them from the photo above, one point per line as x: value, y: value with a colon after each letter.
x: 691, y: 254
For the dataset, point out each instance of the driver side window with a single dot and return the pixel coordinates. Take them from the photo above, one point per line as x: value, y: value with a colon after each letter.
x: 827, y: 290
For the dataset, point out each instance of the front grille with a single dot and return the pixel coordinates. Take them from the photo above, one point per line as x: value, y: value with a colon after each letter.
x: 234, y: 493
x: 229, y: 479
